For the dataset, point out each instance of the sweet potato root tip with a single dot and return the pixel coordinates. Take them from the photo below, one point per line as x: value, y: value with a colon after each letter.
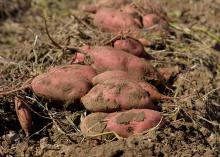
x: 154, y: 93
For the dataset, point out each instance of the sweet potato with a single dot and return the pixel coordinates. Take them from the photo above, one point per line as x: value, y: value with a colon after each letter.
x: 152, y: 20
x: 133, y: 122
x: 65, y: 84
x: 130, y: 45
x: 116, y: 95
x: 116, y: 74
x: 124, y: 124
x: 24, y: 115
x: 104, y: 58
x: 109, y: 19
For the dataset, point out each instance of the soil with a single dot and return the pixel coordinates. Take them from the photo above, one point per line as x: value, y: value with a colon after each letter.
x: 192, y: 125
x: 126, y: 118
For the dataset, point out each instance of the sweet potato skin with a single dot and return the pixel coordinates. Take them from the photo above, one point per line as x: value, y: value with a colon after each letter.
x: 116, y: 95
x: 110, y: 19
x: 125, y: 123
x: 83, y: 70
x: 108, y: 75
x: 64, y: 84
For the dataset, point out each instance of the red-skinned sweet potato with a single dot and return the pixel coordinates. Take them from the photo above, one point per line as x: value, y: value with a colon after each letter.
x: 116, y: 95
x: 65, y: 84
x: 116, y: 74
x: 24, y: 115
x: 132, y: 46
x: 124, y: 124
x: 153, y: 21
x: 133, y: 121
x: 105, y: 58
x: 110, y: 19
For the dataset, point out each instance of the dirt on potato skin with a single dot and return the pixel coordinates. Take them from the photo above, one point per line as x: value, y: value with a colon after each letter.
x: 192, y: 127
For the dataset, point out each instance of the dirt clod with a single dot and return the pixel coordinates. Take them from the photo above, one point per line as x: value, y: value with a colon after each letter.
x: 126, y: 118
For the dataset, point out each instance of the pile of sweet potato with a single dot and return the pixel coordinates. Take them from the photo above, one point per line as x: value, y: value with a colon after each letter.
x: 132, y: 18
x: 112, y: 82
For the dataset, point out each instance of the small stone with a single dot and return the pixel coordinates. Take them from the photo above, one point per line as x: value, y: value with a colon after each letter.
x: 12, y: 136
